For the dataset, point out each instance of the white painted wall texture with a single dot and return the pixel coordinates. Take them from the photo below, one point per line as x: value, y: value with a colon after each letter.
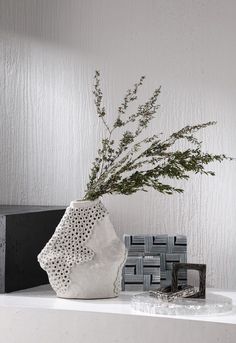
x: 49, y: 132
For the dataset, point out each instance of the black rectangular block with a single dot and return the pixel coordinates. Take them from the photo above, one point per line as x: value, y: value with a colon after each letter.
x: 24, y: 231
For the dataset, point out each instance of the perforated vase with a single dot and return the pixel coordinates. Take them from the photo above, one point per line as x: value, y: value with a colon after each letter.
x: 84, y: 258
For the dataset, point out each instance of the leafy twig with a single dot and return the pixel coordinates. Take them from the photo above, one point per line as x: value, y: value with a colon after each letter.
x: 131, y: 165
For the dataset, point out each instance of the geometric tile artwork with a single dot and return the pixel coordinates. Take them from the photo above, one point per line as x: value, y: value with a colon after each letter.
x: 150, y: 260
x: 141, y: 273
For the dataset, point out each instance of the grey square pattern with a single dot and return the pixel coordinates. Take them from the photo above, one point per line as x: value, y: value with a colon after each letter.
x: 150, y: 260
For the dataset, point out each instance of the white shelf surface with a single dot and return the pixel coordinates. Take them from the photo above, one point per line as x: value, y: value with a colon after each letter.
x: 37, y: 315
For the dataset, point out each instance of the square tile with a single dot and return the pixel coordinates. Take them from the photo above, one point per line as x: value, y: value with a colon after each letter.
x: 150, y: 260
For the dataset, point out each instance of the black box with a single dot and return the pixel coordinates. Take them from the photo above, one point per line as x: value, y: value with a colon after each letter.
x: 24, y: 231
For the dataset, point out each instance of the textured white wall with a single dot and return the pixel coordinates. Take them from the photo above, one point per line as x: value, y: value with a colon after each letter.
x: 49, y: 50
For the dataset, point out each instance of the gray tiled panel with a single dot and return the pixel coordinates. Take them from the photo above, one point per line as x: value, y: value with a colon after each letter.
x: 153, y: 256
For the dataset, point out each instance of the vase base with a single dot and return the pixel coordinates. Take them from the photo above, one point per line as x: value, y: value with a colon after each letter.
x: 89, y: 298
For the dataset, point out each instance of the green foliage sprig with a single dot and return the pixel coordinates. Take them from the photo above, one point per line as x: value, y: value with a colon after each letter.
x: 133, y: 164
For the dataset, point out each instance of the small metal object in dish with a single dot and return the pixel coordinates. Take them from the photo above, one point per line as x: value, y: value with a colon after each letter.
x: 165, y: 293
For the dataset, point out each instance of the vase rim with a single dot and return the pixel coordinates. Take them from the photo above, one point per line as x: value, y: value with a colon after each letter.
x: 84, y: 203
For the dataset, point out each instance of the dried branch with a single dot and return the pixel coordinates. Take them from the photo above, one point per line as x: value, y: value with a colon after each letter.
x: 132, y: 165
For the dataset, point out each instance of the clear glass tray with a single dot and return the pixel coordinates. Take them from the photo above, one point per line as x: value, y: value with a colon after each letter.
x: 213, y: 304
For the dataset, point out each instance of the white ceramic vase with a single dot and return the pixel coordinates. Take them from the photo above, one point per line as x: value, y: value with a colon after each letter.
x: 84, y: 258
